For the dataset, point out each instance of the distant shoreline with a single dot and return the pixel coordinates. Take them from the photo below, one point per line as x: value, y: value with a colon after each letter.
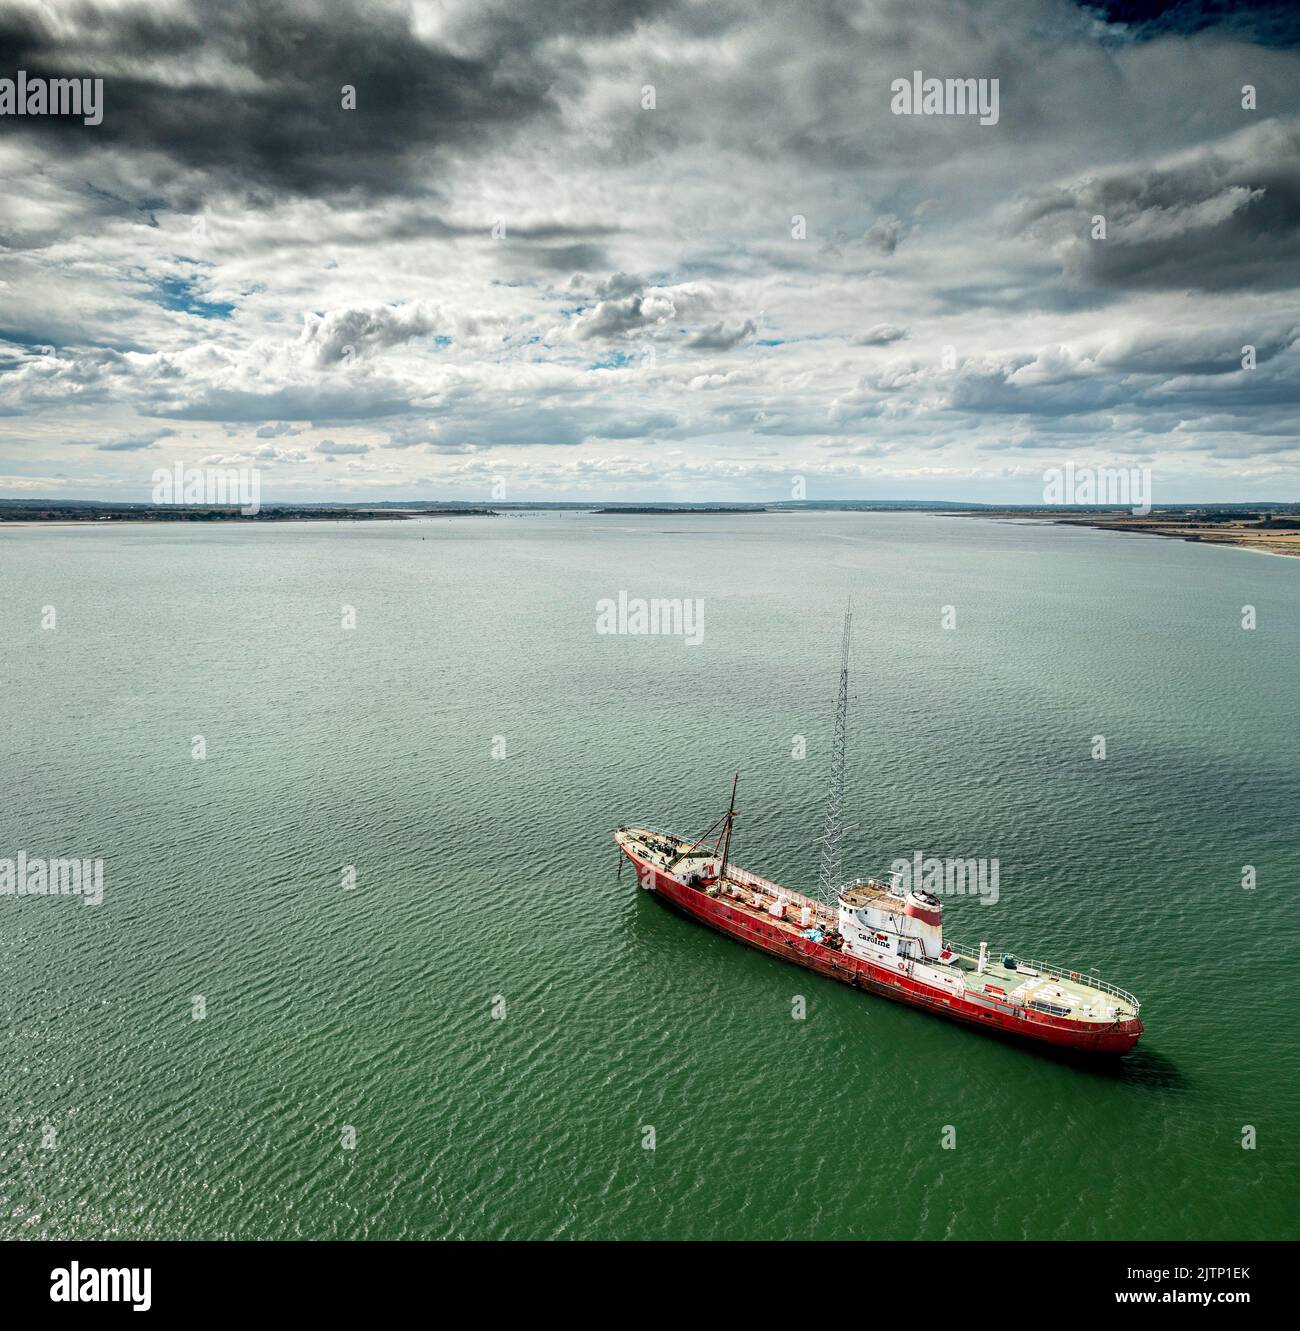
x: 1266, y: 528
x: 1274, y: 534
x: 678, y: 512
x: 21, y: 515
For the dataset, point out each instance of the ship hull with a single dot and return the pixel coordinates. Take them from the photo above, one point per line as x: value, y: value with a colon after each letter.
x: 1001, y: 1019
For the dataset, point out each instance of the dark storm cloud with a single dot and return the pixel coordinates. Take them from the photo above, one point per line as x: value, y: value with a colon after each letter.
x: 249, y: 92
x: 1268, y: 22
x: 1192, y: 372
x: 1222, y: 217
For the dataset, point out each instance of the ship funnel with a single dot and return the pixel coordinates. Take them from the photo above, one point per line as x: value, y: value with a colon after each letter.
x: 924, y: 906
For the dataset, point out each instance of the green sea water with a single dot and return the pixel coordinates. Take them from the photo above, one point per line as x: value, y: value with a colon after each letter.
x: 476, y: 1038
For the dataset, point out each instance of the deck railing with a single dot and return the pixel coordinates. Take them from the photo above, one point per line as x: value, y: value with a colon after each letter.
x: 747, y: 879
x: 1065, y: 974
x: 821, y: 911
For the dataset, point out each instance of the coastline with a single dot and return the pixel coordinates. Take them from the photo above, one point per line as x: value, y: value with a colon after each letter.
x: 1239, y: 535
x: 145, y: 515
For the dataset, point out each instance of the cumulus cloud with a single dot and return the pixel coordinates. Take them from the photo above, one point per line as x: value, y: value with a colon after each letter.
x: 613, y: 287
x: 127, y: 444
x: 342, y: 334
x: 881, y: 335
x: 329, y: 448
x: 650, y: 310
x: 722, y: 336
x: 884, y: 234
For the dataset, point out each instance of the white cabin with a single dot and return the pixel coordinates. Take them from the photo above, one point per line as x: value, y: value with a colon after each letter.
x: 877, y: 920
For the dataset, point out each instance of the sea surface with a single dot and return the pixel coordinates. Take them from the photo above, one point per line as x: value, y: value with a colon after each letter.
x: 367, y: 968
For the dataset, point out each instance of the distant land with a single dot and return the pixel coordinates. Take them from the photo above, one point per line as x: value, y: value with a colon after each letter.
x: 52, y: 510
x: 94, y: 510
x: 1273, y: 527
x: 683, y: 508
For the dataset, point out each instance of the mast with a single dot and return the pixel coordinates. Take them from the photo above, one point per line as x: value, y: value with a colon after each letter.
x: 830, y: 878
x: 724, y: 842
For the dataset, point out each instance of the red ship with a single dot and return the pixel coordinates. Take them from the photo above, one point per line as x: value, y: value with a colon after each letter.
x: 879, y: 936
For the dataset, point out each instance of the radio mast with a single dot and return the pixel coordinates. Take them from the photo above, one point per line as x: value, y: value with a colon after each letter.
x: 830, y: 879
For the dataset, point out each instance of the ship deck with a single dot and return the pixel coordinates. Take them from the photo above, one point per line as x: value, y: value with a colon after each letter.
x: 1052, y: 985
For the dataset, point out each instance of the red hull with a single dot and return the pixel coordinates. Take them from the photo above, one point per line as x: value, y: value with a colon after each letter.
x: 719, y: 914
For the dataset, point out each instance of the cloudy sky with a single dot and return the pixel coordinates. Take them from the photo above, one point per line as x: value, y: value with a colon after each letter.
x: 503, y: 267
